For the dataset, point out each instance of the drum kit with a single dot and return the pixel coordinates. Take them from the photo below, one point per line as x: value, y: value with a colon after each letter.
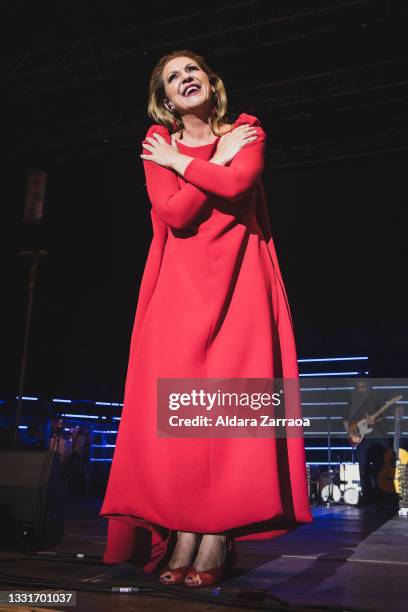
x: 340, y: 485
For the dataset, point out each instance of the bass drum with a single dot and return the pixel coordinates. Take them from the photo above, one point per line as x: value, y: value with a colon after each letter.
x: 351, y: 496
x: 334, y: 490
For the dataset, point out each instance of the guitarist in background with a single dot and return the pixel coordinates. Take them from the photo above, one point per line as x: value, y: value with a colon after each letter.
x: 370, y: 451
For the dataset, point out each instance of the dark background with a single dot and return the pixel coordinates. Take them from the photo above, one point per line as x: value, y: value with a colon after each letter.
x: 327, y: 81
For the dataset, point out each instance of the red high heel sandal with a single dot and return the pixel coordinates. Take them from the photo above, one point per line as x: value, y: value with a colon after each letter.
x: 176, y: 575
x: 211, y: 576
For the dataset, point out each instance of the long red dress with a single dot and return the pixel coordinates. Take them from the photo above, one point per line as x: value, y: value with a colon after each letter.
x: 211, y: 304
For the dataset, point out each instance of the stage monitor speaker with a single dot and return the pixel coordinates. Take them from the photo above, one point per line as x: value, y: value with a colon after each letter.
x: 33, y: 499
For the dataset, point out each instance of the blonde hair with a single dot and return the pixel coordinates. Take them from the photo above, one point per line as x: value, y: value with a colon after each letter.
x: 159, y: 113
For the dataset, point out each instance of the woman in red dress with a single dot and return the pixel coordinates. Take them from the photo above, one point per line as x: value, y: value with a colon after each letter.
x: 212, y: 304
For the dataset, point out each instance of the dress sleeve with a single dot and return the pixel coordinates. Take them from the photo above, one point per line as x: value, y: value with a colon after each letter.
x: 232, y: 181
x: 176, y: 206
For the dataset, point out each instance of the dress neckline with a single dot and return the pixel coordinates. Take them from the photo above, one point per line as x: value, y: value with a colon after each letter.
x: 197, y: 146
x: 210, y: 144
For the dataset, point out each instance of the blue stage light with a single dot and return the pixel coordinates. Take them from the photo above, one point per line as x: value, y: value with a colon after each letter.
x: 317, y: 359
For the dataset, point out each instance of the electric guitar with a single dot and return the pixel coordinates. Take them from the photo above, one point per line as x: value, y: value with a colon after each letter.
x: 359, y: 428
x: 387, y: 479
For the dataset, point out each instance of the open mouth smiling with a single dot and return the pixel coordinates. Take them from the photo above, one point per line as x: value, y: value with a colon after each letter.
x: 191, y: 89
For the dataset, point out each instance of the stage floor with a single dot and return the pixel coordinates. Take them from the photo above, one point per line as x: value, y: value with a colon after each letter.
x: 349, y: 557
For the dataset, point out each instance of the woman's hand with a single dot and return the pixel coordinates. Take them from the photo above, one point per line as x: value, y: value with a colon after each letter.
x: 232, y: 142
x: 163, y: 153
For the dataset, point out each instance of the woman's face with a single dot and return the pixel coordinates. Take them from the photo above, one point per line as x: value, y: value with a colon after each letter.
x: 186, y: 86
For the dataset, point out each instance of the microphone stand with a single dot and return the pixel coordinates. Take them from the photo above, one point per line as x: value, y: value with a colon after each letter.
x: 330, y: 499
x: 32, y: 277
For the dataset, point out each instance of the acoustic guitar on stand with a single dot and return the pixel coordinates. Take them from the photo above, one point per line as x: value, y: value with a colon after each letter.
x: 359, y: 428
x: 387, y: 479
